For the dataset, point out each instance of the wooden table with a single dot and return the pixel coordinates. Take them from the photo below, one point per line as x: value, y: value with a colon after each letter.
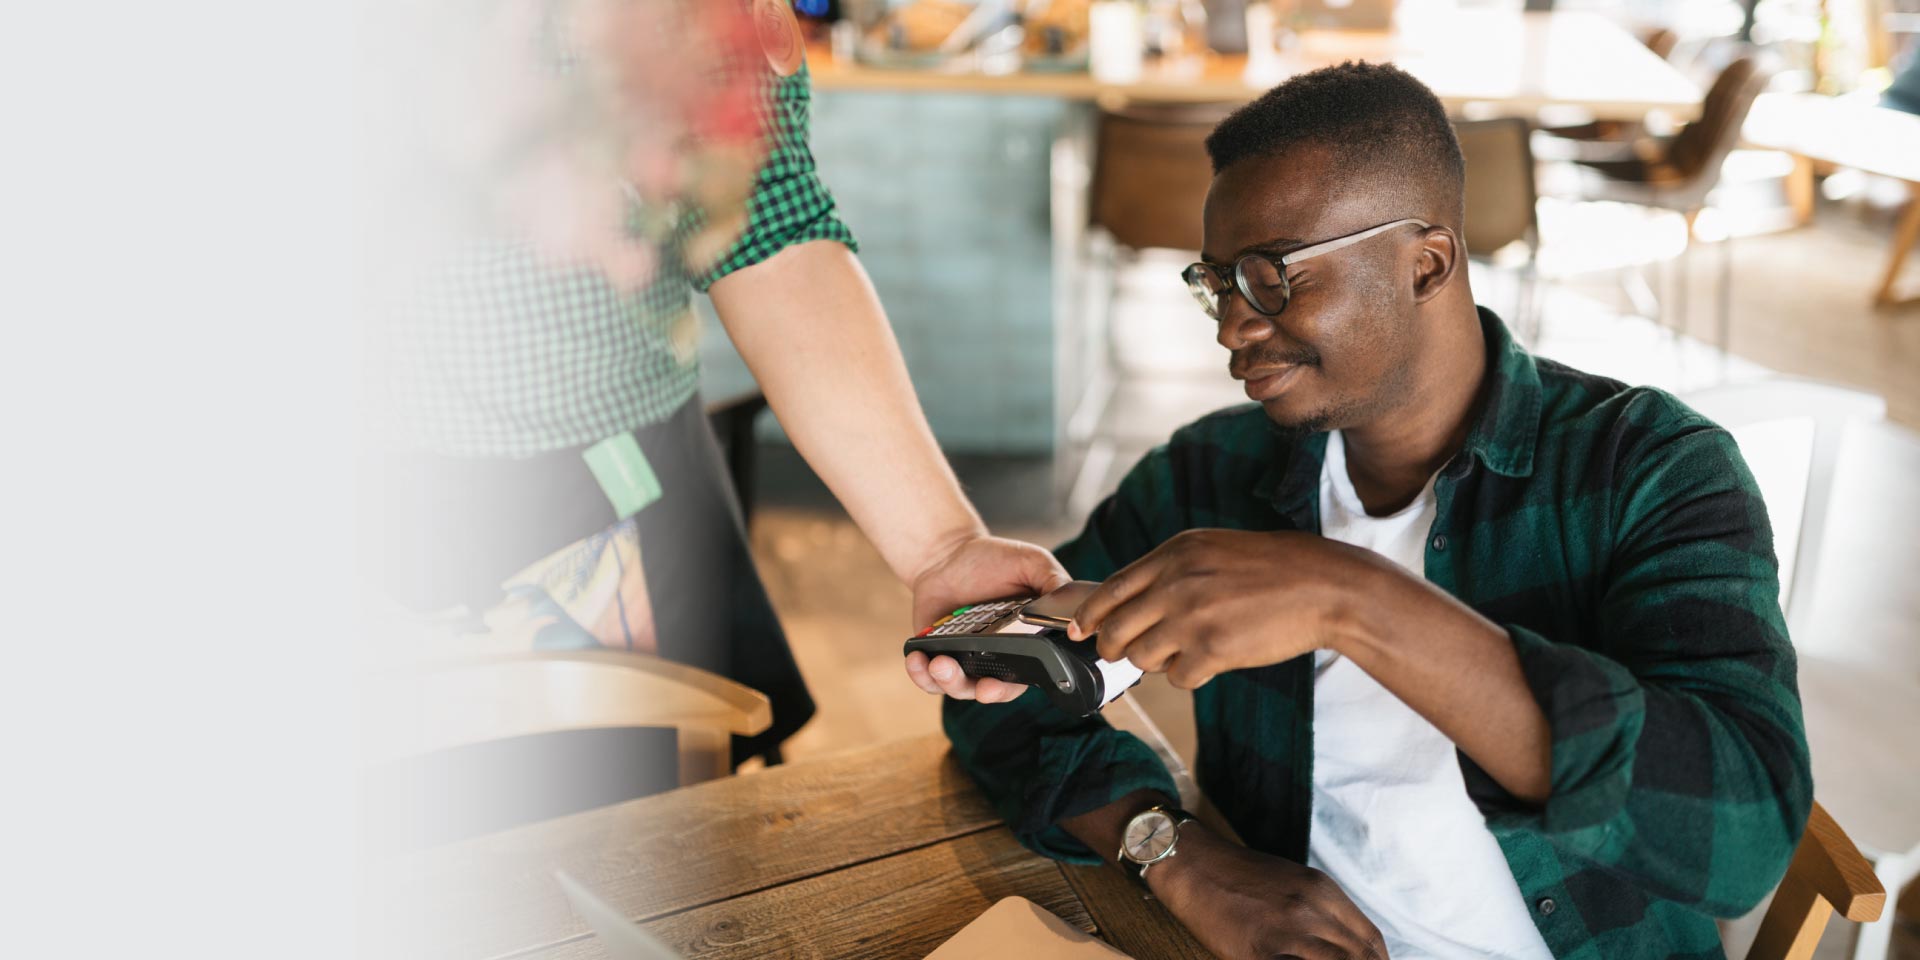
x: 1849, y: 133
x: 882, y: 852
x: 1517, y: 62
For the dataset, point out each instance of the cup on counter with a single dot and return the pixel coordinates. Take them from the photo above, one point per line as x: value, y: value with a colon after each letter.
x: 1117, y: 40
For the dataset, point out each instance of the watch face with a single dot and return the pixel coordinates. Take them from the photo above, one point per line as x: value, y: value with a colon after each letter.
x: 1149, y: 836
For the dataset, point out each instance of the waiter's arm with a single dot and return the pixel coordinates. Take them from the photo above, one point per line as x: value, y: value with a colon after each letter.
x: 811, y: 328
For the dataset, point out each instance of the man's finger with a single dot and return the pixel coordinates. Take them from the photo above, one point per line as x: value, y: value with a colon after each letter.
x: 1126, y: 623
x: 1130, y: 582
x: 1336, y: 905
x: 953, y: 682
x: 990, y: 690
x: 1185, y: 670
x: 917, y: 672
x: 1307, y: 946
x: 1154, y: 650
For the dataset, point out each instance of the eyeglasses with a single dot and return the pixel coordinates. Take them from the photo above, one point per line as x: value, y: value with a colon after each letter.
x: 1263, y: 280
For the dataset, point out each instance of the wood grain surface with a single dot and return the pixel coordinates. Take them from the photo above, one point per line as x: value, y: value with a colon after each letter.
x: 900, y: 906
x: 1139, y: 927
x: 672, y: 852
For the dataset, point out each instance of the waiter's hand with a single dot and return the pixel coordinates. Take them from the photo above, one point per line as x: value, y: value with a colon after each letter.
x: 979, y: 568
x: 1209, y: 601
x: 1242, y: 903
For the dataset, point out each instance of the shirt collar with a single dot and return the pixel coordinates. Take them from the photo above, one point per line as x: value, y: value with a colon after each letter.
x: 1502, y: 436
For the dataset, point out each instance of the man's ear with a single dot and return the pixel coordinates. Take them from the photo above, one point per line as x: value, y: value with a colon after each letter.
x: 1441, y: 254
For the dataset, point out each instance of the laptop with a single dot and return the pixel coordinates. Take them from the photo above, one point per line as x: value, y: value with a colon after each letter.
x: 623, y: 939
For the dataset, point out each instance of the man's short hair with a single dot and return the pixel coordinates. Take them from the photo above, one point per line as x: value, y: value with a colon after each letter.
x: 1380, y: 120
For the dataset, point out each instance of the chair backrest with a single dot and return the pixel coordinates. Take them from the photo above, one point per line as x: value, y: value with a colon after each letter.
x: 1151, y: 173
x: 1501, y: 194
x: 1700, y: 147
x: 1798, y: 492
x: 420, y: 710
x: 1828, y: 875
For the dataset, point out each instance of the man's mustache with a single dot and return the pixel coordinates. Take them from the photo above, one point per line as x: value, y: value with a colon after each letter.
x: 1255, y: 359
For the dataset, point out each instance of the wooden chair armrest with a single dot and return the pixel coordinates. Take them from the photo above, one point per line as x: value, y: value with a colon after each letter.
x: 1837, y: 871
x: 423, y: 708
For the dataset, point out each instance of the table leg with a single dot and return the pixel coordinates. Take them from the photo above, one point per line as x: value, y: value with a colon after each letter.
x: 1800, y: 190
x: 1904, y: 236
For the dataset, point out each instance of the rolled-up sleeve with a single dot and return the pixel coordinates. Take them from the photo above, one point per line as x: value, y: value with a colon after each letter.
x: 789, y: 205
x: 1679, y: 756
x: 1040, y: 766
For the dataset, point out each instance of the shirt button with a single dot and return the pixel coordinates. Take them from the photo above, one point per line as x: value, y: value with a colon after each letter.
x: 1546, y: 906
x: 1440, y: 541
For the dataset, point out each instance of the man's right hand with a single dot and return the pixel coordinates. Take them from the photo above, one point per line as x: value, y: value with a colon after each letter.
x: 1242, y: 903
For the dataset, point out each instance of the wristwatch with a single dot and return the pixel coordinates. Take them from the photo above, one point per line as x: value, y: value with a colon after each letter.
x: 1151, y: 836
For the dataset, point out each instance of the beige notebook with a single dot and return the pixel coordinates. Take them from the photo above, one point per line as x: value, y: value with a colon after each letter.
x: 1016, y: 927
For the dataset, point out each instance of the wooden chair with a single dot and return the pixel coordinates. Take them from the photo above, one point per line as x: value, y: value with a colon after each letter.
x: 453, y: 750
x: 1151, y: 173
x: 1800, y: 525
x: 1501, y: 201
x: 1828, y: 875
x: 440, y: 707
x: 1677, y: 173
x: 1149, y: 181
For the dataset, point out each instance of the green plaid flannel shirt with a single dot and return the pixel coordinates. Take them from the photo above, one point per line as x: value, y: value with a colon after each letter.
x: 499, y: 353
x: 1619, y: 539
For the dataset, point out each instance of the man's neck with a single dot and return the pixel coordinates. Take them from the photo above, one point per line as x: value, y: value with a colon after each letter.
x: 1390, y: 459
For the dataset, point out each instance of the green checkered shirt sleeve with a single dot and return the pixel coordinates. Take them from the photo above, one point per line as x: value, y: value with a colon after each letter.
x: 1679, y: 758
x: 790, y: 205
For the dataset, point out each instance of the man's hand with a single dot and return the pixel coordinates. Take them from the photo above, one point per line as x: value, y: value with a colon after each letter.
x: 1209, y: 601
x: 978, y: 568
x: 1242, y: 903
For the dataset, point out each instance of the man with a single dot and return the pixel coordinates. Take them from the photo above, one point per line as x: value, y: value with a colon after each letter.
x: 1487, y: 653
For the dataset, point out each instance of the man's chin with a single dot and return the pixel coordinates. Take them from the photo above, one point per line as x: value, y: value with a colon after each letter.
x: 1295, y: 422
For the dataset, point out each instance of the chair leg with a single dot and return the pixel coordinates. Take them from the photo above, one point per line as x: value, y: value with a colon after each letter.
x: 1904, y: 237
x: 1725, y: 319
x: 705, y: 754
x: 1074, y: 461
x: 1793, y: 923
x: 1644, y: 297
x: 1683, y: 292
x: 1528, y: 318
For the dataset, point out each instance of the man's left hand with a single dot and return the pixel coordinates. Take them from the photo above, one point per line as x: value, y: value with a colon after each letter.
x: 1209, y: 601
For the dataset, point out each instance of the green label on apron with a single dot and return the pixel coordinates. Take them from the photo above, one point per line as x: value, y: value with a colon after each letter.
x: 623, y: 473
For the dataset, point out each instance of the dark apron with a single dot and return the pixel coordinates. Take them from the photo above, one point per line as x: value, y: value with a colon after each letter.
x: 455, y: 528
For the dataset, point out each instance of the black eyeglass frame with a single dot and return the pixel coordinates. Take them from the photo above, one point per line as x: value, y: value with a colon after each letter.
x: 1196, y: 275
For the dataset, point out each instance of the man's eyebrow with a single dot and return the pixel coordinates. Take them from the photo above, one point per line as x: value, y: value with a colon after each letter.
x: 1278, y: 246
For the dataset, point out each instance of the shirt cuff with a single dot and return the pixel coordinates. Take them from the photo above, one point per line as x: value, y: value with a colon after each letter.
x: 1036, y: 779
x: 1595, y: 710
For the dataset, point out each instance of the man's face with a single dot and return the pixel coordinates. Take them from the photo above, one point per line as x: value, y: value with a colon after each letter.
x: 1341, y: 354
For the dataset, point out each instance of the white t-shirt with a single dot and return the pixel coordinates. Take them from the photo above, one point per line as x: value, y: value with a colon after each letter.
x: 1392, y: 823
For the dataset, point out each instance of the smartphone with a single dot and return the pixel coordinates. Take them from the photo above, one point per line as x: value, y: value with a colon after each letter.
x: 1056, y: 609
